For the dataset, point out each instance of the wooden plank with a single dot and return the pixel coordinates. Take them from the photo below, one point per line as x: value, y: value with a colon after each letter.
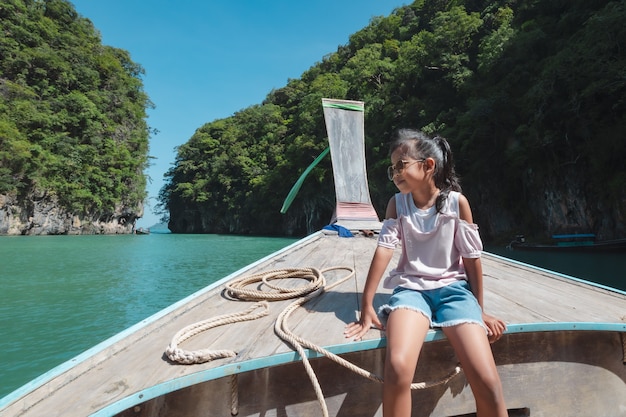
x: 549, y: 296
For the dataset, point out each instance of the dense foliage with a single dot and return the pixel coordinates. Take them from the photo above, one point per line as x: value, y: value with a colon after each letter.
x: 72, y: 112
x: 531, y: 94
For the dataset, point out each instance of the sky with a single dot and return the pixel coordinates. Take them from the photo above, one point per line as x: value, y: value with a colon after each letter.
x: 207, y: 59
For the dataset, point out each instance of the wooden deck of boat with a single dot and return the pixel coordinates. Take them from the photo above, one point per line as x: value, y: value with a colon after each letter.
x: 133, y: 363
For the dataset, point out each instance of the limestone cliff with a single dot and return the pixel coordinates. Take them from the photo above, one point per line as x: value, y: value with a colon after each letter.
x: 42, y: 215
x: 545, y: 205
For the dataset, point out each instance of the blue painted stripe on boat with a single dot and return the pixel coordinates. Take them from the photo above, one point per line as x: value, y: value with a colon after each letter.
x: 565, y: 326
x: 549, y: 271
x: 65, y: 366
x: 351, y: 347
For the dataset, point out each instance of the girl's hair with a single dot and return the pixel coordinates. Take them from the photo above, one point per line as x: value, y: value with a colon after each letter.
x: 418, y: 145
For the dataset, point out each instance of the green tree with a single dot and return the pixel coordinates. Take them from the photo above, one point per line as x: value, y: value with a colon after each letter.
x: 525, y: 92
x: 72, y: 112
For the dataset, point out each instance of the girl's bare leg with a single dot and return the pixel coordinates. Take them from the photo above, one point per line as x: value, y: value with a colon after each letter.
x: 474, y: 352
x: 406, y: 330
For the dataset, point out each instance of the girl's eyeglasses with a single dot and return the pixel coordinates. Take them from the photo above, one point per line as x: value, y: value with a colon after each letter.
x: 399, y: 167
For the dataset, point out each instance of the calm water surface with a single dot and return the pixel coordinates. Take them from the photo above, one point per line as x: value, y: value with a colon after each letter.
x: 603, y: 268
x: 61, y: 295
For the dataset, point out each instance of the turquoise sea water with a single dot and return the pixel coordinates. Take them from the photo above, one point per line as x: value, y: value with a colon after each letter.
x: 603, y: 268
x: 61, y: 295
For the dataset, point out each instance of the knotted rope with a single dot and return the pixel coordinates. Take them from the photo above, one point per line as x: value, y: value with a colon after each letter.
x: 238, y: 289
x: 204, y: 355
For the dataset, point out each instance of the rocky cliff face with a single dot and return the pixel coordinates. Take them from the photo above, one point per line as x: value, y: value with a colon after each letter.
x: 548, y: 205
x: 41, y: 215
x: 568, y: 204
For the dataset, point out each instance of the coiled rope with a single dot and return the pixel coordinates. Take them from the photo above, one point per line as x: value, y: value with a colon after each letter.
x: 238, y: 289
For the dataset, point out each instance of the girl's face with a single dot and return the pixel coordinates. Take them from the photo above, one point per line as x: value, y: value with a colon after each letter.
x: 405, y: 171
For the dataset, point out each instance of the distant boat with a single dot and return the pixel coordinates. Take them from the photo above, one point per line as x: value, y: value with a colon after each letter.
x: 577, y: 242
x: 142, y: 231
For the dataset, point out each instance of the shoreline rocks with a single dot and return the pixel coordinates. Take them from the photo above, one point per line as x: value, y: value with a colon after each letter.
x: 44, y: 216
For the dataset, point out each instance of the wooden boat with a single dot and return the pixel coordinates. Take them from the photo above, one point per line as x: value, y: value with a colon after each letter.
x: 142, y: 231
x: 580, y: 242
x: 564, y: 352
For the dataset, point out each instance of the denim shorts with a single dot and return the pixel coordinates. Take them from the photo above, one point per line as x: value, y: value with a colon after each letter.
x: 447, y: 306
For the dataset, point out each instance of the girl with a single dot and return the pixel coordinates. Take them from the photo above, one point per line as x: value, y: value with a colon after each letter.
x: 438, y: 279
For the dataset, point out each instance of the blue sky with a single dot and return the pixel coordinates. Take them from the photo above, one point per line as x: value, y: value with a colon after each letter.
x: 207, y: 59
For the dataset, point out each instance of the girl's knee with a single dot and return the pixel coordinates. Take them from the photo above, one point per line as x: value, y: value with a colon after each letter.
x: 488, y: 387
x: 399, y: 370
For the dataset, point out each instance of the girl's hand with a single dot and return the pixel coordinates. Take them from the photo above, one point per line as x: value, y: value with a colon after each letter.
x: 495, y: 327
x: 356, y: 330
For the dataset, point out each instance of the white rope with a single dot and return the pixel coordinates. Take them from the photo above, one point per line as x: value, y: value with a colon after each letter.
x: 179, y: 355
x: 238, y: 289
x: 283, y: 331
x: 234, y: 394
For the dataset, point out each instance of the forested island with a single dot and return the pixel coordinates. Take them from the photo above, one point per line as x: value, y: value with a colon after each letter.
x: 73, y: 131
x: 531, y: 96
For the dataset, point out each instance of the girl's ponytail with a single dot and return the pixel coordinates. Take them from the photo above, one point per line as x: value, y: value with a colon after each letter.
x: 445, y: 178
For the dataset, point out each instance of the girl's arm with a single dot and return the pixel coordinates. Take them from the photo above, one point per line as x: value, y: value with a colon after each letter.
x: 380, y: 261
x: 474, y: 271
x: 368, y: 317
